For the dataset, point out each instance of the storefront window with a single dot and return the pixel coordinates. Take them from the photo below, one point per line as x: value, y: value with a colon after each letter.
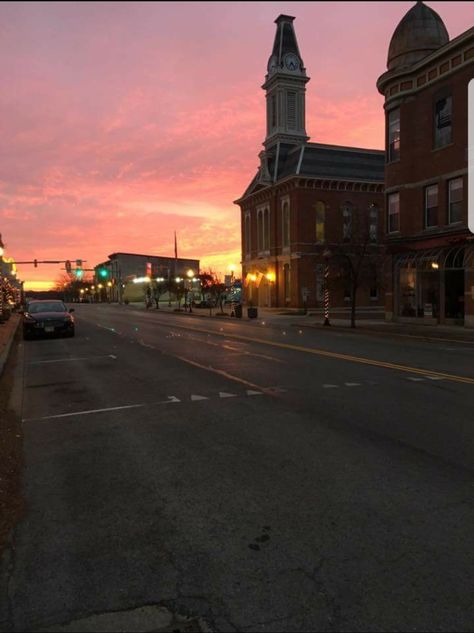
x: 407, y: 296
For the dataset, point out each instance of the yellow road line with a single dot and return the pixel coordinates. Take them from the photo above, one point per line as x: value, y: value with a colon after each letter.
x: 347, y: 357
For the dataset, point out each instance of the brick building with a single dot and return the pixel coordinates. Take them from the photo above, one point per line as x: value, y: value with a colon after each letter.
x: 430, y: 268
x: 304, y: 199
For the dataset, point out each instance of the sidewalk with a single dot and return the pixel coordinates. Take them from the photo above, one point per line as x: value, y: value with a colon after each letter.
x: 7, y: 334
x: 282, y: 317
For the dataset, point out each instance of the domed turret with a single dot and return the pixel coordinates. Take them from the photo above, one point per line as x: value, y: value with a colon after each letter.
x: 418, y: 34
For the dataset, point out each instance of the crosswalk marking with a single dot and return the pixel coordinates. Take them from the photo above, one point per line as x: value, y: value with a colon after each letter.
x: 330, y: 386
x: 352, y: 384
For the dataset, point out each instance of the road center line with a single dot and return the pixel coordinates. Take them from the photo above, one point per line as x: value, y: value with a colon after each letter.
x: 346, y: 357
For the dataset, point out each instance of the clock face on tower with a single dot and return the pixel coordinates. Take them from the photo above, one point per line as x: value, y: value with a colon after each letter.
x: 272, y: 64
x: 292, y: 61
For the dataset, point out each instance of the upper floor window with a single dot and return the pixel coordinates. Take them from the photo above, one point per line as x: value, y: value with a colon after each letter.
x: 320, y: 221
x: 266, y: 229
x: 393, y: 212
x: 455, y: 195
x: 347, y: 222
x: 394, y: 135
x: 247, y: 234
x: 285, y: 223
x: 263, y: 229
x: 443, y: 122
x: 431, y: 206
x: 373, y: 222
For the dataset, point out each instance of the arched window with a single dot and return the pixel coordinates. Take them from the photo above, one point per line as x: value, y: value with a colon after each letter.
x: 285, y: 224
x: 247, y: 235
x: 373, y: 222
x: 260, y: 230
x: 320, y: 221
x: 266, y: 230
x: 347, y: 222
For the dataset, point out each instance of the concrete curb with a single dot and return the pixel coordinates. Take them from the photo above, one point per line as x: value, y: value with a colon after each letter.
x: 4, y: 354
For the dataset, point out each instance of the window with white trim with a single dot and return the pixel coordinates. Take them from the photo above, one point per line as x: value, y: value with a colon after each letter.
x: 455, y: 198
x: 431, y: 206
x: 443, y: 122
x: 393, y: 224
x: 394, y: 135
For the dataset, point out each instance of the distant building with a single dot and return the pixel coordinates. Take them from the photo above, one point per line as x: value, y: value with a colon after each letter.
x: 304, y: 196
x: 430, y: 270
x: 123, y: 267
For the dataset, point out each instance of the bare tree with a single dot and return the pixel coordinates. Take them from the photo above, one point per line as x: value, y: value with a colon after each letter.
x: 359, y: 258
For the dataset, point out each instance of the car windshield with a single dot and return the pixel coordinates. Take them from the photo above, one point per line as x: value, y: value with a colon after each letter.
x: 49, y: 306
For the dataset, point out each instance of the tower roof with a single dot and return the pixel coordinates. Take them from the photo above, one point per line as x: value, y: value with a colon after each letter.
x: 285, y: 38
x: 420, y: 32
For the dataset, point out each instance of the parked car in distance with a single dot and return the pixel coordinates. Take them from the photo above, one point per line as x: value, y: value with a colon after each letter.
x: 47, y: 318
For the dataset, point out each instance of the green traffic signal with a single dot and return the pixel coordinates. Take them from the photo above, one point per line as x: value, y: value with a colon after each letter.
x: 79, y: 272
x: 103, y: 273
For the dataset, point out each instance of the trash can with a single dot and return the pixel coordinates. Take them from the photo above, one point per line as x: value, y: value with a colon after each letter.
x: 238, y: 311
x: 252, y: 313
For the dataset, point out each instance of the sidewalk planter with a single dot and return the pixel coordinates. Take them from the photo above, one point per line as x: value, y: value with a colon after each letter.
x: 252, y: 313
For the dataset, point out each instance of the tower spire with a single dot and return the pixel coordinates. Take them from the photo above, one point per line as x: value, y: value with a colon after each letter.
x: 285, y: 88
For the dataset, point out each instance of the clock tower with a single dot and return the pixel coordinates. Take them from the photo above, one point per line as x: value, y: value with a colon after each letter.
x: 285, y: 89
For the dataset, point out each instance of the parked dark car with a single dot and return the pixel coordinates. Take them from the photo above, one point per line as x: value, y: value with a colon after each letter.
x: 47, y: 318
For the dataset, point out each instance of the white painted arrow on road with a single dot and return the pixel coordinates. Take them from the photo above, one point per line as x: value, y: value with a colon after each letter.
x: 199, y: 398
x: 224, y: 394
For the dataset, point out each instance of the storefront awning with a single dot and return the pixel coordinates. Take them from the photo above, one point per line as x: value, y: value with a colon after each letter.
x: 442, y: 258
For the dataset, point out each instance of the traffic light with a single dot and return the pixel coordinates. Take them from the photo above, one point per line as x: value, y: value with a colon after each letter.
x: 103, y: 273
x: 68, y: 266
x: 35, y: 262
x: 79, y: 272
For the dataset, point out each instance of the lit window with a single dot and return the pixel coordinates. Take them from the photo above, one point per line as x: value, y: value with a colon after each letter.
x: 320, y: 221
x: 393, y: 212
x: 431, y: 206
x: 394, y: 135
x: 455, y: 191
x: 443, y: 122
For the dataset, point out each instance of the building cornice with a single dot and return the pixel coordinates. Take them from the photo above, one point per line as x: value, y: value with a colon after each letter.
x: 312, y: 182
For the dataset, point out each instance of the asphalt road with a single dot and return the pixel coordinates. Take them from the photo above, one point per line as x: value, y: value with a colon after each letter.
x: 264, y: 478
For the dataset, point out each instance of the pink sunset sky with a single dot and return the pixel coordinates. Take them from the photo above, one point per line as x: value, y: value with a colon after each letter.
x: 122, y: 122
